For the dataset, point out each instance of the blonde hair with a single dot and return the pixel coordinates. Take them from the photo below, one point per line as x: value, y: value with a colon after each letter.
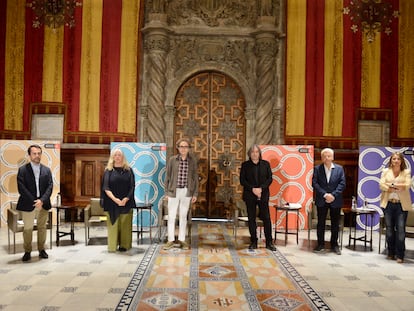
x: 110, y: 165
x: 401, y: 157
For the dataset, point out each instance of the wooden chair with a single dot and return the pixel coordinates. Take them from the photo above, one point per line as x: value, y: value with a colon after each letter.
x: 15, y: 224
x: 240, y: 219
x: 163, y: 220
x: 94, y: 216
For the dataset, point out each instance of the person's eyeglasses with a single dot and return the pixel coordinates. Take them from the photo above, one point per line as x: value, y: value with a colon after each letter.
x: 185, y: 147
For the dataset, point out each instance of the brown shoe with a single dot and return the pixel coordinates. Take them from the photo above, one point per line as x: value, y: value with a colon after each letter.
x: 399, y: 260
x: 184, y: 245
x: 168, y: 245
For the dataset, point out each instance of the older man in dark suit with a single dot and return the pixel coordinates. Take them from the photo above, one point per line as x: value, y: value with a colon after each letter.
x: 35, y: 185
x: 328, y: 183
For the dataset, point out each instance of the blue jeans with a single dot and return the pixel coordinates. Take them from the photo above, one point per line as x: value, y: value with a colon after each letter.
x: 395, y: 220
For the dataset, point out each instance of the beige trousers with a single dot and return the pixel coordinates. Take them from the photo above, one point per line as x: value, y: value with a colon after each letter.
x: 41, y: 216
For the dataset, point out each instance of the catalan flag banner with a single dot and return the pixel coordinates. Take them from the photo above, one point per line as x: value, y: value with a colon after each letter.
x: 333, y: 69
x: 91, y: 67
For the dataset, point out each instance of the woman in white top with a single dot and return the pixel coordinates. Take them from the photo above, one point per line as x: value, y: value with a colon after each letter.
x: 395, y: 200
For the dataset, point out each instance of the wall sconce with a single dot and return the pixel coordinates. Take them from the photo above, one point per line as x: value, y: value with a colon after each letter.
x: 54, y: 13
x: 371, y: 16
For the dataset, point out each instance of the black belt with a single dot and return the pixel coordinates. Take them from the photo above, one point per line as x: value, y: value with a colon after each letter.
x: 394, y: 201
x: 179, y: 187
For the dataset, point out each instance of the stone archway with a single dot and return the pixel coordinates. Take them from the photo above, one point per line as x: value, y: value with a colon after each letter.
x: 244, y: 40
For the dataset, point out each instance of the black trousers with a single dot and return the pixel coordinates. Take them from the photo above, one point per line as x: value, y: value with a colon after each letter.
x: 264, y: 215
x: 335, y: 213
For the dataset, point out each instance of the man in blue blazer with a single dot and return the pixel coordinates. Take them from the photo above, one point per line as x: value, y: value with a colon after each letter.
x: 328, y: 183
x: 35, y: 185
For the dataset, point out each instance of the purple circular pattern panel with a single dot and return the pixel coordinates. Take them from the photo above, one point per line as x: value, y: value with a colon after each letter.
x: 372, y: 160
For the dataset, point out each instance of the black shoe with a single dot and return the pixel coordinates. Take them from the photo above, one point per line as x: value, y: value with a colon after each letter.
x: 43, y: 254
x: 336, y: 250
x: 122, y: 249
x: 253, y: 245
x: 26, y: 256
x: 319, y: 249
x: 271, y: 247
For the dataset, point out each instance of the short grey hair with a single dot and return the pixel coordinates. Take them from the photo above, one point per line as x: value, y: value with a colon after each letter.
x: 329, y: 150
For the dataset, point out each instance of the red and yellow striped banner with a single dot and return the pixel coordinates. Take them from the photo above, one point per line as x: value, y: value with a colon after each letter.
x: 92, y: 68
x: 332, y: 72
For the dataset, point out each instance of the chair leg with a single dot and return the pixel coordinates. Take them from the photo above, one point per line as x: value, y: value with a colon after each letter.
x: 14, y: 243
x: 8, y: 238
x: 86, y: 236
x: 50, y: 235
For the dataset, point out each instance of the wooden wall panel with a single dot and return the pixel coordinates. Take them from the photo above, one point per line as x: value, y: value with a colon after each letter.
x: 82, y: 172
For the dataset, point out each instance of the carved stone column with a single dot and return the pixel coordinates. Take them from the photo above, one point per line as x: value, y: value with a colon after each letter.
x: 156, y: 45
x: 266, y: 50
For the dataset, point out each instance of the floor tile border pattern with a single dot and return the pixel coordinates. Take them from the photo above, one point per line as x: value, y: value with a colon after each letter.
x: 300, y: 282
x: 140, y: 276
x: 315, y: 300
x: 143, y: 272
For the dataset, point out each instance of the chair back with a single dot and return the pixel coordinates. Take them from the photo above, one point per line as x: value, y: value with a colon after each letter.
x: 13, y: 207
x: 96, y: 208
x: 241, y: 206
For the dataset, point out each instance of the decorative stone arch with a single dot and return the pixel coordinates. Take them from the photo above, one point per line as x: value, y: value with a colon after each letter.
x: 179, y: 42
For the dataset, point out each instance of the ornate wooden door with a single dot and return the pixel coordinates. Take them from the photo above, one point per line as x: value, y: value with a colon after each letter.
x: 210, y: 112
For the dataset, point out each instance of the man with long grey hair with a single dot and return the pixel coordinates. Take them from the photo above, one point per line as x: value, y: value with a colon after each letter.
x: 256, y: 177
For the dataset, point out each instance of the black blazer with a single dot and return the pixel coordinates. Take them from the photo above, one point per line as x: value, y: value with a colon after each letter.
x: 26, y: 185
x: 335, y: 186
x: 248, y: 181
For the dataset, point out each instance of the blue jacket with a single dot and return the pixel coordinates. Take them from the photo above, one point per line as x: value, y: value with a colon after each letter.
x: 336, y: 185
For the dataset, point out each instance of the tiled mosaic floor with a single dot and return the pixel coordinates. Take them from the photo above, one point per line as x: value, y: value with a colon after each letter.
x: 88, y: 278
x: 216, y: 275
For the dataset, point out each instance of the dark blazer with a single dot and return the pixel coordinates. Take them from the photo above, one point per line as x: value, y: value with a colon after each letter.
x: 248, y: 181
x: 335, y: 186
x: 26, y: 185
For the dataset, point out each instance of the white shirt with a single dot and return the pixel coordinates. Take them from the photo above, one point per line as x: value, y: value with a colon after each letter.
x: 36, y: 171
x: 328, y: 171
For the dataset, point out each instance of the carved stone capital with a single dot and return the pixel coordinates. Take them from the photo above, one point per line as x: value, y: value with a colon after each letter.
x: 266, y: 45
x: 156, y: 42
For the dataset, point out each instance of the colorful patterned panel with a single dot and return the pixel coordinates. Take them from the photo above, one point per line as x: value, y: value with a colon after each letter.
x: 292, y: 168
x: 148, y: 162
x: 371, y: 162
x: 13, y: 154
